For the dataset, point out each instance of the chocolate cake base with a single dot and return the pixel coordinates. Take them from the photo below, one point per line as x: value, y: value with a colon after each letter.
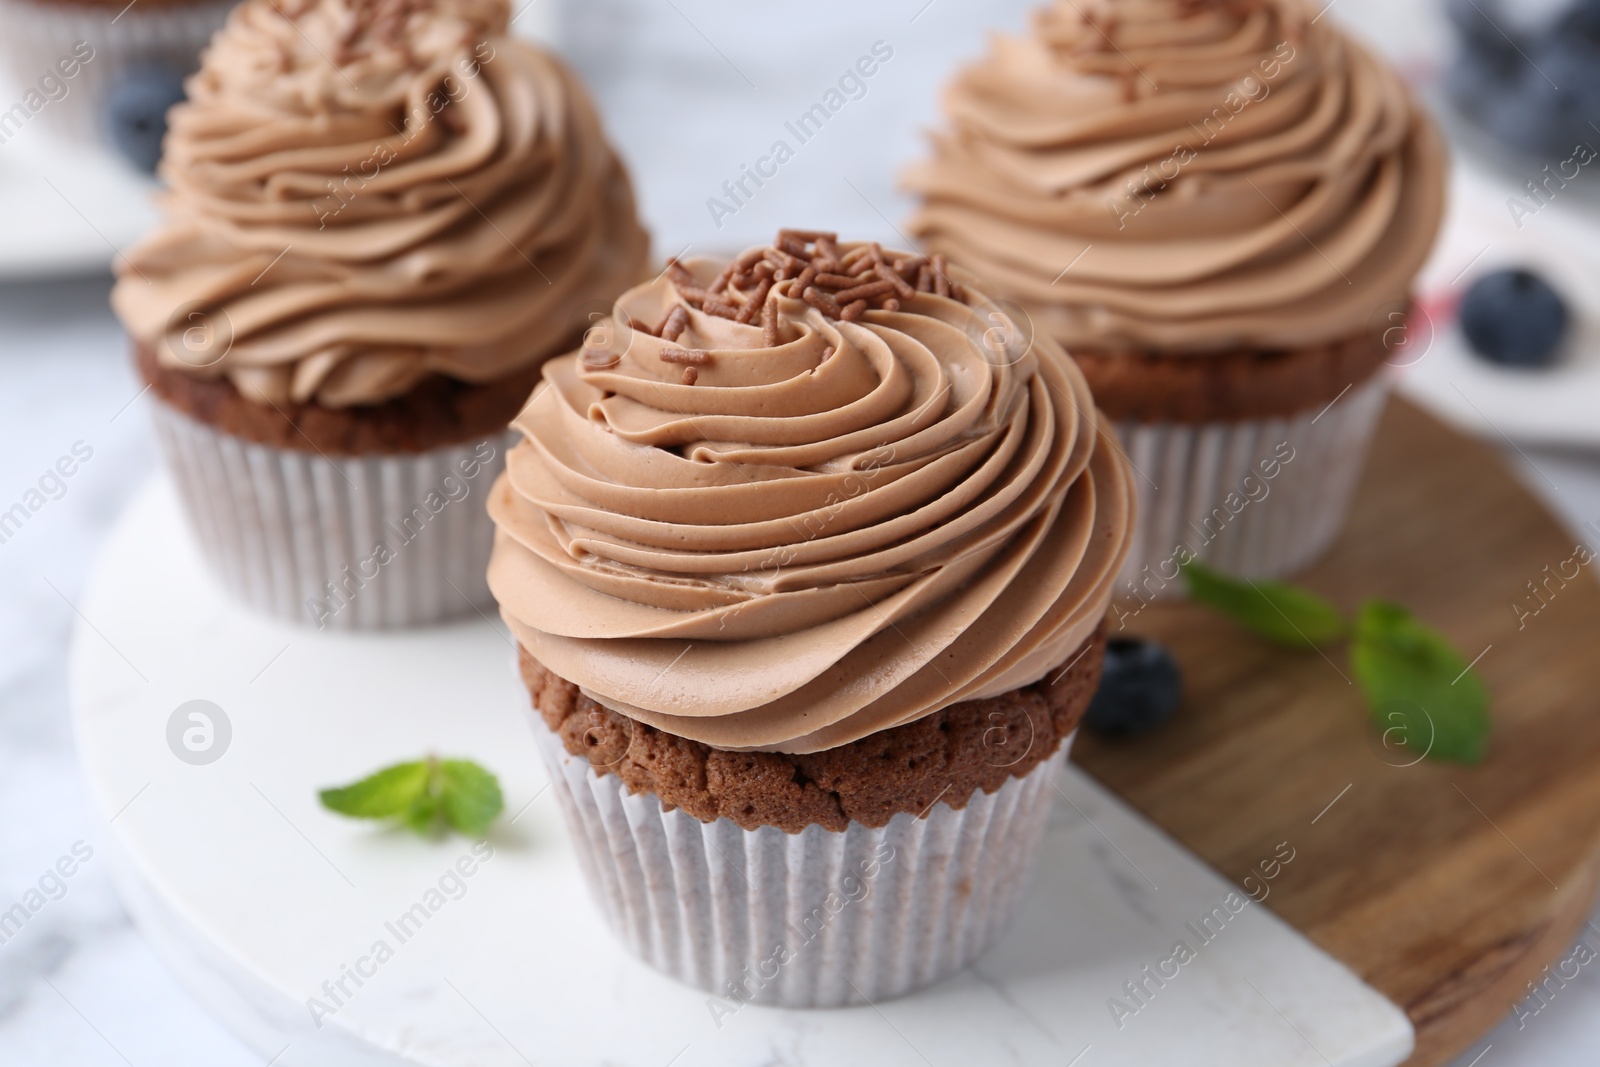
x: 1227, y: 386
x: 438, y: 412
x: 947, y: 757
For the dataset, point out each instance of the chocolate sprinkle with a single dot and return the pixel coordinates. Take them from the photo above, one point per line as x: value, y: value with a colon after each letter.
x: 864, y: 292
x: 807, y: 265
x: 769, y: 324
x: 685, y: 357
x: 821, y: 301
x: 676, y: 322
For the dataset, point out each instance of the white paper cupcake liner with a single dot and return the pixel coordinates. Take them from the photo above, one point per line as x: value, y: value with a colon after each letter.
x: 1204, y: 488
x: 34, y: 34
x: 817, y: 919
x: 348, y: 542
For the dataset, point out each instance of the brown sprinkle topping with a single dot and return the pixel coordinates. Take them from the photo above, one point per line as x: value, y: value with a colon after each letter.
x: 769, y: 324
x: 677, y: 321
x: 892, y: 276
x: 806, y: 236
x: 821, y: 301
x: 807, y: 264
x: 686, y: 357
x: 755, y: 304
x: 793, y: 246
x: 690, y: 376
x: 828, y: 246
x: 373, y: 22
x: 784, y: 260
x: 724, y: 278
x: 864, y: 292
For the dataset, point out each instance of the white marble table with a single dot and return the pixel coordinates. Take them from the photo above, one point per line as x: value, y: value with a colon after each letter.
x: 78, y: 985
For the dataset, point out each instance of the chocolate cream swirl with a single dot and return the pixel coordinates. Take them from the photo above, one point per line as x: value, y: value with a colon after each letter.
x: 1185, y: 176
x: 363, y: 193
x: 786, y: 502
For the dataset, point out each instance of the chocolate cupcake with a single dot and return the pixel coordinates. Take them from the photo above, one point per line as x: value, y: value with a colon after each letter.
x: 1218, y: 208
x: 807, y: 556
x: 382, y: 218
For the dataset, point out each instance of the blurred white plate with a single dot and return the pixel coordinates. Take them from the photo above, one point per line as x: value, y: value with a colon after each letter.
x: 1561, y: 241
x: 69, y: 208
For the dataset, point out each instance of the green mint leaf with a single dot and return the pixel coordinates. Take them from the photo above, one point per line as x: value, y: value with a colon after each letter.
x: 1283, y: 614
x: 388, y: 793
x: 424, y: 816
x: 470, y: 796
x: 1419, y: 688
x: 428, y: 796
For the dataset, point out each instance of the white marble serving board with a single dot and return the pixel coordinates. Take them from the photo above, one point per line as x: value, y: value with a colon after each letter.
x: 256, y: 896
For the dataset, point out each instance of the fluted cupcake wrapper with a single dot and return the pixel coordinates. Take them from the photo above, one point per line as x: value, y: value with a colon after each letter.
x: 349, y: 542
x: 1226, y: 493
x: 38, y: 33
x: 816, y: 919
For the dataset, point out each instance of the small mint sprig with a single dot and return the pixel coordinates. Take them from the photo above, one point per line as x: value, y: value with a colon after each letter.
x: 1416, y: 684
x: 429, y: 796
x: 1415, y: 680
x: 1284, y: 614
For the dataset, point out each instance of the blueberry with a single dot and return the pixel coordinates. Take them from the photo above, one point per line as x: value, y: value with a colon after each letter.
x: 1476, y: 85
x: 1581, y: 22
x: 1485, y: 73
x: 1514, y: 318
x: 136, y: 112
x: 1555, y: 94
x: 1140, y: 689
x: 1479, y: 25
x: 1537, y: 91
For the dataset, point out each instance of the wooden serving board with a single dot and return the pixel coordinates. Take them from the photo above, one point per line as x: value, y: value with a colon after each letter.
x: 1448, y: 888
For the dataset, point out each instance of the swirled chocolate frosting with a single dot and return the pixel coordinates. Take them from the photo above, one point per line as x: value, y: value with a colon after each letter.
x: 363, y: 193
x: 1185, y: 176
x: 795, y: 499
